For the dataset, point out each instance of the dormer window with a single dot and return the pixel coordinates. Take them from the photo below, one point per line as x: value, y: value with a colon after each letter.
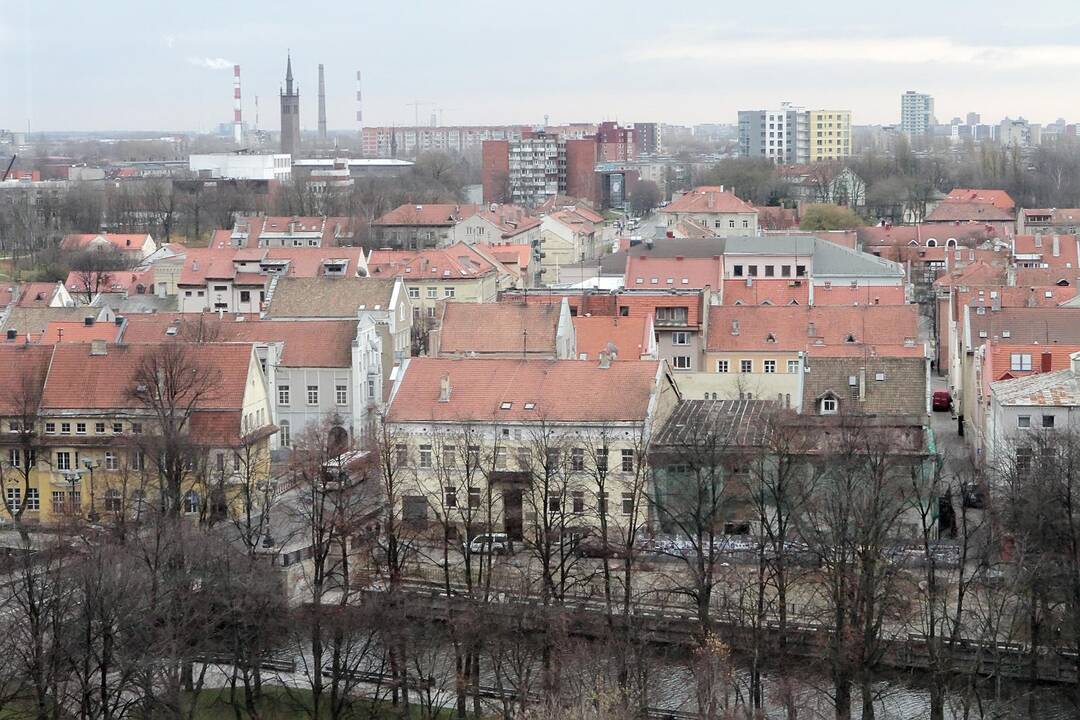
x: 770, y: 338
x: 506, y: 405
x: 530, y: 406
x: 850, y: 338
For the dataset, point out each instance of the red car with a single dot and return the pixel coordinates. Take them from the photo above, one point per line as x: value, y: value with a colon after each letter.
x: 942, y: 400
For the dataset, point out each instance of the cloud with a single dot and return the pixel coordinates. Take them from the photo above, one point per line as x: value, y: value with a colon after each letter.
x: 211, y: 63
x: 169, y: 40
x: 883, y: 50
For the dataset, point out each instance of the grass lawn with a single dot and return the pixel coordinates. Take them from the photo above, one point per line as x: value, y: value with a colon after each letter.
x: 278, y: 703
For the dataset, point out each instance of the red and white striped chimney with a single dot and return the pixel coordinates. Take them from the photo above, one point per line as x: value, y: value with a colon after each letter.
x: 359, y: 102
x: 238, y: 125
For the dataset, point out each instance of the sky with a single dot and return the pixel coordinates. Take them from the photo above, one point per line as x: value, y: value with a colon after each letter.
x: 153, y: 65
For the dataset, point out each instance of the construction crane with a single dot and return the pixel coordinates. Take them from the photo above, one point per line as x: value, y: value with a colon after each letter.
x: 9, y: 166
x: 416, y: 110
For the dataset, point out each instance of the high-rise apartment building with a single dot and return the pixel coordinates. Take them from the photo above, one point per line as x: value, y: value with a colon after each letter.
x: 792, y: 135
x: 916, y: 113
x: 830, y: 134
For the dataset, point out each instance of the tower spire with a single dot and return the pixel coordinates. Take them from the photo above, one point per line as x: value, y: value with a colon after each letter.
x: 288, y: 74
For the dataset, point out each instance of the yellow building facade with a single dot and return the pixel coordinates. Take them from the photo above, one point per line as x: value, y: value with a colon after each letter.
x: 830, y: 135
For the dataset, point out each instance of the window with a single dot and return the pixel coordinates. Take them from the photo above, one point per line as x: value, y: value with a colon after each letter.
x: 449, y: 456
x: 737, y: 271
x: 63, y: 460
x: 601, y: 460
x: 1048, y: 421
x: 770, y: 271
x: 1024, y: 421
x: 746, y: 223
x: 681, y: 362
x: 433, y: 293
x: 800, y: 271
x: 785, y: 270
x: 136, y: 428
x: 829, y: 406
x: 746, y: 366
x: 721, y: 366
x: 80, y: 428
x: 245, y: 296
x: 65, y: 428
x: 113, y: 502
x: 284, y: 433
x: 628, y: 503
x: 111, y: 461
x: 414, y: 293
x: 500, y: 457
x: 731, y: 223
x: 14, y: 457
x: 190, y: 504
x: 1023, y: 459
x: 14, y: 499
x: 370, y: 388
x: 473, y: 456
x: 117, y: 428
x: 769, y: 366
x: 474, y: 497
x: 50, y: 427
x: 341, y: 394
x: 448, y: 292
x: 577, y: 459
x: 577, y: 499
x: 138, y: 460
x: 312, y: 394
x: 59, y: 502
x: 671, y: 315
x: 1020, y: 361
x: 401, y: 455
x: 283, y: 394
x: 793, y: 366
x: 414, y: 507
x: 450, y: 496
x: 751, y: 270
x: 554, y: 503
x: 425, y: 456
x: 99, y: 428
x: 628, y: 460
x: 680, y: 337
x: 33, y: 500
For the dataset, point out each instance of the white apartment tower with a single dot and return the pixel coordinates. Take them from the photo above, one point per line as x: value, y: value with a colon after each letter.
x: 916, y: 113
x: 782, y: 135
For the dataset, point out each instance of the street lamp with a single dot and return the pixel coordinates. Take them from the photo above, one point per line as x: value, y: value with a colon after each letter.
x: 93, y: 514
x: 74, y: 477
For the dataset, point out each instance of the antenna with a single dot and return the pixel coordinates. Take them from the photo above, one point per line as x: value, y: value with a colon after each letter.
x: 416, y: 105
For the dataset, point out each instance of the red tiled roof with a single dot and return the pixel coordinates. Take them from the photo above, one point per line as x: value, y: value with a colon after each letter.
x: 432, y: 214
x: 1043, y: 246
x: 998, y: 198
x: 498, y: 328
x: 575, y: 220
x: 79, y: 380
x: 766, y: 292
x: 628, y: 334
x: 510, y: 219
x: 456, y: 262
x: 202, y: 264
x: 708, y: 199
x: 518, y: 256
x: 79, y: 332
x: 777, y: 218
x: 128, y: 242
x: 1000, y: 356
x: 561, y: 390
x: 315, y: 343
x: 863, y: 294
x: 562, y: 202
x: 645, y: 304
x: 24, y: 375
x: 790, y: 326
x: 977, y: 273
x: 37, y: 294
x: 118, y: 281
x: 649, y: 272
x: 1022, y: 295
x: 968, y: 212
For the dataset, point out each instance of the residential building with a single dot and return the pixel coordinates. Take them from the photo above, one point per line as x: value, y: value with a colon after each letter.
x: 781, y: 135
x: 823, y: 182
x: 407, y: 141
x: 714, y: 208
x: 569, y: 237
x: 649, y: 138
x: 504, y: 330
x: 479, y: 432
x: 830, y: 134
x: 1063, y: 221
x: 136, y: 246
x: 916, y: 114
x: 1022, y: 407
x: 460, y: 272
x: 498, y: 225
x: 285, y: 232
x: 622, y: 338
x: 72, y: 413
x: 418, y: 227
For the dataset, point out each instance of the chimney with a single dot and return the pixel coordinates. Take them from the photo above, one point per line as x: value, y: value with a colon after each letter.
x: 98, y: 347
x: 734, y: 327
x: 605, y: 360
x: 444, y: 388
x: 810, y: 332
x: 1056, y: 245
x: 1047, y: 362
x: 1038, y: 240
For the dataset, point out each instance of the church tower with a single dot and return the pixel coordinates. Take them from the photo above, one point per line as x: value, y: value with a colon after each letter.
x: 290, y: 114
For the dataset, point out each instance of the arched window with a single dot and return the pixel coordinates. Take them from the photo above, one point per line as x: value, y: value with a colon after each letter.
x: 950, y: 243
x: 190, y: 506
x: 931, y: 243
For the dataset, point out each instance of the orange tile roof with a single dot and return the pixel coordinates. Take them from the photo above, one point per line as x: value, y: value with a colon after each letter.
x: 498, y: 328
x: 79, y: 332
x: 519, y: 256
x: 202, y: 264
x: 565, y: 391
x: 24, y: 366
x: 645, y: 304
x: 650, y: 272
x: 1043, y: 246
x: 510, y: 220
x: 37, y: 294
x: 1000, y: 357
x: 762, y: 327
x: 314, y: 343
x: 863, y: 294
x: 708, y: 199
x: 968, y: 212
x: 457, y: 262
x: 1020, y: 296
x: 436, y: 214
x: 998, y: 198
x: 78, y: 380
x: 128, y: 242
x: 770, y: 292
x: 628, y: 334
x: 119, y: 281
x: 308, y: 261
x: 977, y: 273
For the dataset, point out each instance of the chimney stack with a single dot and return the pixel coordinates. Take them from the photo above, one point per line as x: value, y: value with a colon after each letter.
x: 444, y: 388
x: 605, y: 360
x: 238, y: 125
x: 359, y: 102
x: 322, y: 105
x: 1074, y: 364
x: 1057, y: 245
x: 1047, y: 363
x: 98, y: 347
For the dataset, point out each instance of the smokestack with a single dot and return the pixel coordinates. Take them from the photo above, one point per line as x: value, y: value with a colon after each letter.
x: 359, y: 102
x: 238, y: 125
x: 322, y: 105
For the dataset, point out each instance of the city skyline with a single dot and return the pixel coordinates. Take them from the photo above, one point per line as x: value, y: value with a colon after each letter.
x: 149, y: 68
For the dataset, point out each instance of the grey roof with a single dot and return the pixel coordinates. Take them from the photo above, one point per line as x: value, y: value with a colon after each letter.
x: 36, y: 319
x: 735, y: 423
x: 1046, y: 325
x: 836, y: 260
x: 615, y: 263
x: 1054, y: 389
x: 323, y: 297
x: 772, y: 245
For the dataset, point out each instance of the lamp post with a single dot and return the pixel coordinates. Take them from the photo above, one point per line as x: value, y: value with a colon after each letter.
x: 92, y: 516
x: 74, y: 477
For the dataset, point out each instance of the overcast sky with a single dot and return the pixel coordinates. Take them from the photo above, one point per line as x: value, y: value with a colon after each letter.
x: 147, y: 64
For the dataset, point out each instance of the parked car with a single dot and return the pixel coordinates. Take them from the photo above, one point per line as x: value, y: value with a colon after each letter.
x: 942, y: 400
x: 495, y: 543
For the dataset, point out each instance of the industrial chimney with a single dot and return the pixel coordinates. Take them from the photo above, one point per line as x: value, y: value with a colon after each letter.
x: 322, y: 105
x: 359, y: 102
x: 238, y: 125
